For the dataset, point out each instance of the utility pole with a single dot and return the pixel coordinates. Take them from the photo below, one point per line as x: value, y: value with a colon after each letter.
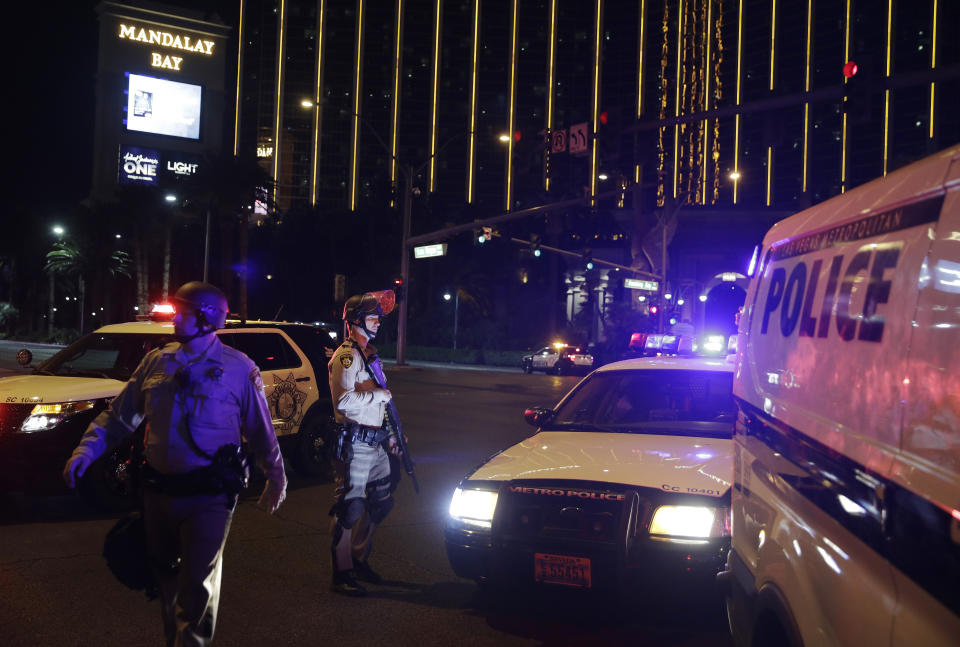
x: 404, y: 264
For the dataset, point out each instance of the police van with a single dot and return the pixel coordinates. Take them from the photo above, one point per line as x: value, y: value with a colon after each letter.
x: 43, y: 414
x: 846, y: 496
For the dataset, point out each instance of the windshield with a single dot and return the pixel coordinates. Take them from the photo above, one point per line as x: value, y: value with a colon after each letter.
x: 680, y: 402
x: 110, y: 355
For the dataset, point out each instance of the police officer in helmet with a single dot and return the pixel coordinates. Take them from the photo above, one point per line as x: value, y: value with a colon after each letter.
x: 363, y: 479
x: 199, y: 399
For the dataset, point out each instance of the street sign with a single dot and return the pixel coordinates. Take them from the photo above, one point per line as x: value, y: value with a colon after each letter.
x: 637, y: 284
x: 578, y: 140
x: 429, y: 251
x: 559, y: 141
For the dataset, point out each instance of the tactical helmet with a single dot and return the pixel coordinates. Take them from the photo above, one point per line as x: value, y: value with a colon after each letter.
x: 208, y: 301
x: 360, y: 306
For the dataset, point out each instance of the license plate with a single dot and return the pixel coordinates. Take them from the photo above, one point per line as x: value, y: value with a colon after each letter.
x: 562, y: 569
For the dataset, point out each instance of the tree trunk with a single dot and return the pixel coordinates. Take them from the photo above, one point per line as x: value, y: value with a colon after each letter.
x: 166, y: 260
x: 140, y: 261
x: 82, y: 300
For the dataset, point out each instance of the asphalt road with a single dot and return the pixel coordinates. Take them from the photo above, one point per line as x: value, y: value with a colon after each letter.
x: 56, y: 590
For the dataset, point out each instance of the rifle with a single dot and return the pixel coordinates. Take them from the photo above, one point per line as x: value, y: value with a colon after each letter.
x: 375, y: 368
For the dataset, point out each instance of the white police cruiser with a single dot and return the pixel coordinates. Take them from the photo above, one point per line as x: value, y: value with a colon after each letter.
x: 559, y: 358
x: 626, y: 480
x: 44, y: 413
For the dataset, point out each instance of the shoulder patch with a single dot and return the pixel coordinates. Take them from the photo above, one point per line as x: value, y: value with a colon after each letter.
x: 256, y: 380
x: 346, y: 360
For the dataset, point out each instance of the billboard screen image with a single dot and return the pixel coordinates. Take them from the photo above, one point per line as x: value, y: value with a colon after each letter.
x: 163, y: 107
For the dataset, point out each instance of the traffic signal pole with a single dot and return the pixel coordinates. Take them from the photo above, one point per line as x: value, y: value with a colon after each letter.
x: 404, y: 266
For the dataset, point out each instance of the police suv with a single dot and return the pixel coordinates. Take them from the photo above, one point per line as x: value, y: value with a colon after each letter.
x: 558, y: 358
x: 44, y: 413
x: 626, y: 480
x: 846, y: 498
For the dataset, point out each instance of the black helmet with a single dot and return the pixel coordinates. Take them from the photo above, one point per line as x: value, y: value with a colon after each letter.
x: 208, y: 301
x: 360, y: 306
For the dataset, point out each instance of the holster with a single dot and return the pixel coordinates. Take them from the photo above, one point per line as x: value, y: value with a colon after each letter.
x: 228, y: 474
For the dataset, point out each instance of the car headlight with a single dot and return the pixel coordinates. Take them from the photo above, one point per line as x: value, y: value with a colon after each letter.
x: 473, y: 507
x: 698, y: 522
x: 48, y: 416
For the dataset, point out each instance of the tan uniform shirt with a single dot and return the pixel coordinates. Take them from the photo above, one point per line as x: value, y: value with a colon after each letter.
x: 351, y: 388
x: 216, y: 397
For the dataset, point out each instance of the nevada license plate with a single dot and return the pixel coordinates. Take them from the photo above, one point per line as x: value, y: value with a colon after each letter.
x: 562, y: 569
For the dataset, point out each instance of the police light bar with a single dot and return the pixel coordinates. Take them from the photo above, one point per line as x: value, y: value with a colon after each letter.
x: 163, y: 309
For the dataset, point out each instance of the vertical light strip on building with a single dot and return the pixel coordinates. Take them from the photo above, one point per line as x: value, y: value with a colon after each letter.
x: 395, y: 107
x: 508, y: 197
x: 843, y: 131
x: 806, y: 88
x: 641, y: 41
x: 551, y: 53
x: 886, y: 90
x: 676, y: 107
x: 594, y: 153
x: 708, y: 35
x: 278, y: 104
x: 317, y: 105
x: 473, y: 101
x: 773, y: 58
x: 933, y: 66
x: 236, y: 112
x: 355, y: 135
x: 736, y: 121
x: 433, y: 95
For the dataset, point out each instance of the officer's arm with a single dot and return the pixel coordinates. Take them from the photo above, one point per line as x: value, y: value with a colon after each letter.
x: 120, y: 419
x: 344, y: 371
x: 257, y: 429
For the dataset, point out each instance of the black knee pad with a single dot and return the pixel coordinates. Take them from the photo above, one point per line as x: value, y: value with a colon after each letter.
x: 380, y: 508
x: 350, y: 512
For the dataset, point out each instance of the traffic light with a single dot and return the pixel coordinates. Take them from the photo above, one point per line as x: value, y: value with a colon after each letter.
x: 399, y: 288
x: 587, y: 259
x: 535, y: 245
x: 861, y: 78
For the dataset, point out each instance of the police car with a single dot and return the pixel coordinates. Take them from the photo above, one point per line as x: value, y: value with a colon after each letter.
x: 626, y: 481
x: 44, y: 413
x: 559, y: 358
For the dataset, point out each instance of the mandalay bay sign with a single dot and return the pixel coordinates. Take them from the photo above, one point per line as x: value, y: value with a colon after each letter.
x: 168, y: 40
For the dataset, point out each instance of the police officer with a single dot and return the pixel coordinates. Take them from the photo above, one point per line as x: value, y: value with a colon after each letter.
x: 363, y: 480
x: 198, y: 398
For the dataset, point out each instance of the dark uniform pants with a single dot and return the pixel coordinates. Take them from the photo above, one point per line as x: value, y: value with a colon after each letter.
x: 195, y: 529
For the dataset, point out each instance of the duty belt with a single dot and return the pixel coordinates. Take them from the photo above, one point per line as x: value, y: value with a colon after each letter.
x: 373, y: 436
x: 192, y: 483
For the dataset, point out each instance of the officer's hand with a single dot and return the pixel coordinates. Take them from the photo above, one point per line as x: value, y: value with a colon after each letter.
x: 273, y: 495
x: 381, y: 395
x: 75, y: 468
x: 393, y: 446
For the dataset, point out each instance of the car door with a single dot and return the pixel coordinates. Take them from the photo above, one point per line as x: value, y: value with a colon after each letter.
x: 288, y: 378
x: 541, y: 358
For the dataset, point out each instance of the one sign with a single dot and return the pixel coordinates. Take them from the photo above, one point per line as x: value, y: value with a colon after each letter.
x: 429, y: 251
x: 578, y: 140
x: 637, y: 284
x: 138, y: 165
x: 558, y: 143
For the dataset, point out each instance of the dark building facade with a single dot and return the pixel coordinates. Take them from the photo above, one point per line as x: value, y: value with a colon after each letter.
x: 692, y: 122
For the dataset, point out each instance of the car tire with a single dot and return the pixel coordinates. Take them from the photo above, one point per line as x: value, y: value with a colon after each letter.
x: 109, y: 483
x: 528, y: 368
x: 313, y: 455
x: 562, y: 368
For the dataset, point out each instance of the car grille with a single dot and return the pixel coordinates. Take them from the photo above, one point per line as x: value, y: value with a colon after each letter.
x: 574, y: 511
x: 12, y: 416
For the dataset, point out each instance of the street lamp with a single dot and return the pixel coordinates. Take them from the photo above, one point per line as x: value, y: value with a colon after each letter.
x: 58, y: 231
x: 456, y: 309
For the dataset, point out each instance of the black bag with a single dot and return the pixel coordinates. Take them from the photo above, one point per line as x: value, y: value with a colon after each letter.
x: 125, y: 549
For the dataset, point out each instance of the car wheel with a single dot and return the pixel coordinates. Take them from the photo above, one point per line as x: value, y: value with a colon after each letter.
x: 312, y: 452
x: 562, y: 368
x: 528, y: 367
x: 109, y: 483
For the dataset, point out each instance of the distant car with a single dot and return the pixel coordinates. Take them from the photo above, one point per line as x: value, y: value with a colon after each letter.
x: 44, y: 413
x: 561, y: 359
x: 625, y: 484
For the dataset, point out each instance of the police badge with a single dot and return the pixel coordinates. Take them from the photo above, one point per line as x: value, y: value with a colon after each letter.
x: 346, y: 360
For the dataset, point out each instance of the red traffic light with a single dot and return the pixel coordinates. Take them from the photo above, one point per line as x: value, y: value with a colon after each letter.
x: 653, y: 310
x: 604, y: 118
x: 398, y: 281
x: 849, y: 69
x: 517, y: 136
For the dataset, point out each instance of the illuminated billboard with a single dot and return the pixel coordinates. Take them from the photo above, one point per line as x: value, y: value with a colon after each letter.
x: 163, y: 107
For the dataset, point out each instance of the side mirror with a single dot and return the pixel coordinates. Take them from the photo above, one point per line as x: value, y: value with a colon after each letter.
x: 24, y: 357
x: 537, y: 416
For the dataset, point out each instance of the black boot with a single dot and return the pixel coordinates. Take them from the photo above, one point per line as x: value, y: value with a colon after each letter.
x: 362, y: 571
x: 345, y: 582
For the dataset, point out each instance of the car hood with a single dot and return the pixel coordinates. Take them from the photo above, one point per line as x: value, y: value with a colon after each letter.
x: 51, y: 388
x: 670, y: 463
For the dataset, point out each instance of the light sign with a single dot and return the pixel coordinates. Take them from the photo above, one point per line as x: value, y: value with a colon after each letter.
x: 637, y: 284
x: 429, y: 251
x: 169, y: 40
x: 163, y: 107
x: 138, y: 165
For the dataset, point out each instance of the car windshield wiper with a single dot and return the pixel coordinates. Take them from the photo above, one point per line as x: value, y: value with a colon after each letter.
x: 38, y: 371
x: 93, y: 373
